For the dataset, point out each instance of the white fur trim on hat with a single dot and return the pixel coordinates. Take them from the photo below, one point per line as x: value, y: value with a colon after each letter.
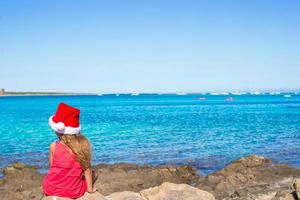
x: 60, y: 127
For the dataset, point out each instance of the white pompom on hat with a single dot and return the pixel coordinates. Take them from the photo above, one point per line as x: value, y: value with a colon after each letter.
x: 65, y: 120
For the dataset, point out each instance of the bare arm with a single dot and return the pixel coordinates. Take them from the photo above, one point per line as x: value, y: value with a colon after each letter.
x: 51, y: 153
x: 89, y: 180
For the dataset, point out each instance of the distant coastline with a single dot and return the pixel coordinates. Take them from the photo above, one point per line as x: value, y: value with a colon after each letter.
x: 4, y: 93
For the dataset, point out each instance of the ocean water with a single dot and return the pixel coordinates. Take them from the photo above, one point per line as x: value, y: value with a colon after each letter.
x: 158, y: 129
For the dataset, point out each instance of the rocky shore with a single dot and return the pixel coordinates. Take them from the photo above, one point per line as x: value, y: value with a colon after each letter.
x: 251, y: 177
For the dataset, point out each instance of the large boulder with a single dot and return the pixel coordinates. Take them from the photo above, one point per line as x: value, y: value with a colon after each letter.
x: 250, y: 176
x: 129, y: 177
x: 93, y: 196
x: 171, y: 191
x: 55, y: 198
x: 166, y: 191
x: 86, y: 196
x: 126, y: 195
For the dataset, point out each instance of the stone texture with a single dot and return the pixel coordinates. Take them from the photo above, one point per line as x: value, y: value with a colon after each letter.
x: 171, y: 191
x: 284, y: 195
x: 128, y: 177
x: 20, y: 182
x: 251, y: 177
x: 93, y: 196
x: 126, y: 195
x: 55, y: 198
x: 86, y: 196
x: 296, y: 187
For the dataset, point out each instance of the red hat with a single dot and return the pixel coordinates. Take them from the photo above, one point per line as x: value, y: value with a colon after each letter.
x: 65, y: 120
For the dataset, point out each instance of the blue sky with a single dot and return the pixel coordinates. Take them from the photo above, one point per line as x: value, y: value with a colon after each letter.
x: 149, y: 46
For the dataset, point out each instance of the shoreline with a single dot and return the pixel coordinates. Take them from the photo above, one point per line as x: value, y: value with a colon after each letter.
x: 199, y: 172
x: 296, y: 92
x: 43, y: 171
x: 47, y: 94
x: 251, y: 175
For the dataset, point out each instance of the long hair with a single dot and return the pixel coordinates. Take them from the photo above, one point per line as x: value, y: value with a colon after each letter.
x: 81, y: 148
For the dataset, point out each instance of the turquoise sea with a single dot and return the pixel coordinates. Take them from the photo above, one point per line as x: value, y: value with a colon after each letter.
x: 205, y: 131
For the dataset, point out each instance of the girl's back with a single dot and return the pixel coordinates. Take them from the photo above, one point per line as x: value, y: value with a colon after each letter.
x: 66, y: 175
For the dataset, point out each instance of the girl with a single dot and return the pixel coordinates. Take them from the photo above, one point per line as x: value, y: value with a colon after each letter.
x: 70, y: 173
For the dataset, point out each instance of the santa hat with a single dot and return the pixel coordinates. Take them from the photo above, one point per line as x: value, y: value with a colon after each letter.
x: 65, y: 120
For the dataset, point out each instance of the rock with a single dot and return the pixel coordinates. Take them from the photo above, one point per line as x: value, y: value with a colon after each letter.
x: 284, y: 195
x: 171, y: 191
x: 86, y: 196
x: 127, y: 195
x: 21, y: 182
x: 253, y: 161
x: 24, y: 182
x: 9, y: 170
x: 128, y: 177
x: 249, y: 176
x: 93, y: 196
x: 55, y: 198
x: 14, y: 168
x: 166, y: 191
x: 296, y: 187
x: 215, y: 178
x: 19, y: 165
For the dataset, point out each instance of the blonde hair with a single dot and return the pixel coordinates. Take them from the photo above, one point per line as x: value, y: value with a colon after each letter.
x: 80, y: 146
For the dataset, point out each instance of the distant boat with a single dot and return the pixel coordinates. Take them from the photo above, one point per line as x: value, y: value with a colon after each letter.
x: 202, y: 98
x: 255, y: 93
x: 181, y: 93
x: 99, y: 94
x: 224, y: 93
x: 214, y: 93
x: 287, y: 95
x: 135, y: 94
x: 238, y: 93
x: 229, y: 99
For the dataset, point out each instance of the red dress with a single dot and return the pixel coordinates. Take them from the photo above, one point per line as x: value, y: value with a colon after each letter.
x: 66, y: 176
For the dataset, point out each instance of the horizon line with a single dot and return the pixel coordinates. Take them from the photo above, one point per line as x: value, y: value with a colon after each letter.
x: 170, y: 92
